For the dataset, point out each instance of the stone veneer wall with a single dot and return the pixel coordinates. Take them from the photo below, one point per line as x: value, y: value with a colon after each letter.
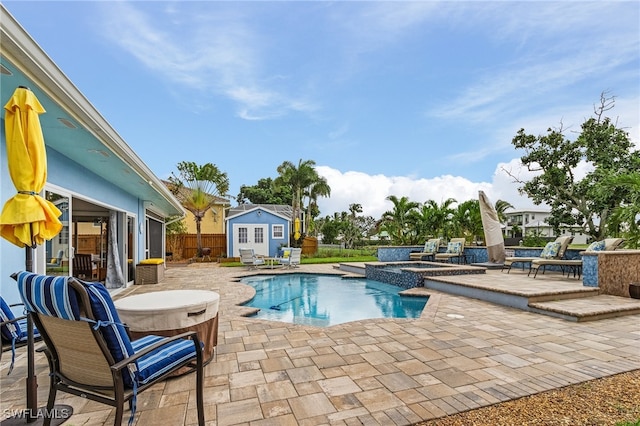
x: 616, y: 270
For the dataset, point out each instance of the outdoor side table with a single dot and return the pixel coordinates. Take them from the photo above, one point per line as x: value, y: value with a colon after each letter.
x: 171, y: 312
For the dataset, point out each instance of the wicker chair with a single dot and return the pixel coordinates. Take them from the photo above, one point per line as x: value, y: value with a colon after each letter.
x: 89, y: 351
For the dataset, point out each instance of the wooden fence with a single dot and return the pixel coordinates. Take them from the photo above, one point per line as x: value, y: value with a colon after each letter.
x: 185, y: 246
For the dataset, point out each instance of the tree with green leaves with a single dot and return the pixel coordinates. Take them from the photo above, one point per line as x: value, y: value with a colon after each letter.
x: 317, y: 189
x: 467, y: 220
x: 625, y: 219
x: 442, y: 215
x: 196, y: 187
x: 501, y: 208
x: 398, y: 220
x: 265, y: 192
x: 298, y: 179
x: 573, y: 201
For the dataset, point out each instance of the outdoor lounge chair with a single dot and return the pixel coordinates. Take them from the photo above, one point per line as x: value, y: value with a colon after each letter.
x: 552, y: 250
x: 574, y: 265
x: 89, y: 350
x: 13, y: 329
x: 56, y: 262
x: 428, y: 252
x: 248, y: 258
x: 293, y: 259
x: 455, y: 250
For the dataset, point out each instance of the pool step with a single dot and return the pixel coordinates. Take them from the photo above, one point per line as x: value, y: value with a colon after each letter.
x: 560, y: 299
x: 588, y: 308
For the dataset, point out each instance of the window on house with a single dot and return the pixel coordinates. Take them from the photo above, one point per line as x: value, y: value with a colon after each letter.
x: 259, y: 235
x: 277, y: 232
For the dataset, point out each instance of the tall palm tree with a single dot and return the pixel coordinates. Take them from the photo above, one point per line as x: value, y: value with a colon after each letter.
x: 319, y: 188
x: 196, y: 187
x: 396, y: 222
x: 298, y: 179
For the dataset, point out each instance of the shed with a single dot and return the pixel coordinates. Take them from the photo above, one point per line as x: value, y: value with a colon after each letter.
x: 262, y: 227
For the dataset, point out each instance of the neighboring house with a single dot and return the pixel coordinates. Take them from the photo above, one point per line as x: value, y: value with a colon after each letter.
x: 214, y: 219
x: 528, y: 221
x: 263, y: 227
x: 94, y: 177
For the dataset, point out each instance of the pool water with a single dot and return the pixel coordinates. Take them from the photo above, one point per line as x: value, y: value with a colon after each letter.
x: 326, y: 300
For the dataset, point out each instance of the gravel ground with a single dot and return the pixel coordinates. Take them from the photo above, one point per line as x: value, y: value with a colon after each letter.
x: 610, y: 401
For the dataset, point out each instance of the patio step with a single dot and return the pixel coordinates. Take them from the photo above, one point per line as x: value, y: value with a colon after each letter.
x: 588, y: 308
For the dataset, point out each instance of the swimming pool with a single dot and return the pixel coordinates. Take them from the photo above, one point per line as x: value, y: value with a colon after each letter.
x: 326, y: 300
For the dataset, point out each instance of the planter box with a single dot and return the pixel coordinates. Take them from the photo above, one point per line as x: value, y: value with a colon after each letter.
x: 149, y: 273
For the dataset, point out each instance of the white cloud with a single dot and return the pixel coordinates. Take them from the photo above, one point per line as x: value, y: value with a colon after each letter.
x: 371, y: 191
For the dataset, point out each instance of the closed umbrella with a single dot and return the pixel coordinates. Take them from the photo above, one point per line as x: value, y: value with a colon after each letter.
x: 493, y: 237
x: 296, y: 229
x: 27, y: 219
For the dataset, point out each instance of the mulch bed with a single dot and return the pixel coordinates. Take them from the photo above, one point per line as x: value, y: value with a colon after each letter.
x: 612, y: 401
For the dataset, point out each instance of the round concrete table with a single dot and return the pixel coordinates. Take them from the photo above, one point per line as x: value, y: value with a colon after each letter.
x: 169, y: 313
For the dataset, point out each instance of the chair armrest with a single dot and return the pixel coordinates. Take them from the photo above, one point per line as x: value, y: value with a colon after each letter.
x: 12, y: 321
x: 125, y: 362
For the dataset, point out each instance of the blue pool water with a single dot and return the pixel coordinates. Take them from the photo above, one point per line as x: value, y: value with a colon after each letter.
x: 325, y: 300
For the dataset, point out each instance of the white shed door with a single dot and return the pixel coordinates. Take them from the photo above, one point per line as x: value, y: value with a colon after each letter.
x: 250, y: 236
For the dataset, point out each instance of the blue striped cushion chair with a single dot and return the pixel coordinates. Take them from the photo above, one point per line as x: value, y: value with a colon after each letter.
x: 56, y: 297
x: 13, y: 329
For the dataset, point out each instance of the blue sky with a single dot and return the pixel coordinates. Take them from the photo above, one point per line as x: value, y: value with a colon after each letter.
x: 416, y: 99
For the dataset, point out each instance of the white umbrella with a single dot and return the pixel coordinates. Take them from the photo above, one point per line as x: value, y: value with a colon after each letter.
x: 493, y: 237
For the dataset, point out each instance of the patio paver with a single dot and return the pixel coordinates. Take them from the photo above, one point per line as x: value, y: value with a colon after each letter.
x: 461, y: 354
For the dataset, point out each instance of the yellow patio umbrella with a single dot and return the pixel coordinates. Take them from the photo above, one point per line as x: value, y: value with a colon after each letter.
x: 296, y: 229
x: 27, y: 219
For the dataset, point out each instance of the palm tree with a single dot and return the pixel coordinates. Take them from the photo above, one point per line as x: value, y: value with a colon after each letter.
x: 442, y: 215
x: 299, y: 179
x: 319, y: 188
x: 501, y: 207
x: 467, y: 219
x: 196, y: 187
x: 396, y: 222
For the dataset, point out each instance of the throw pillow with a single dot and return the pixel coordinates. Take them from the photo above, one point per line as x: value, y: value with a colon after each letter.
x: 455, y: 247
x: 596, y: 246
x: 550, y: 250
x: 430, y: 247
x: 286, y: 253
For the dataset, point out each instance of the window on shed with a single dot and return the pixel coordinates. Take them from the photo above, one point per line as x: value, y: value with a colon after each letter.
x: 278, y: 231
x: 243, y: 235
x: 259, y: 235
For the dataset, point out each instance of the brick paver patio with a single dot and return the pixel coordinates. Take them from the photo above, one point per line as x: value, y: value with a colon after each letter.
x: 461, y: 354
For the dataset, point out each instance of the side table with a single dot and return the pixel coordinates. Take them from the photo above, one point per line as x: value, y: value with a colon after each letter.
x: 171, y: 312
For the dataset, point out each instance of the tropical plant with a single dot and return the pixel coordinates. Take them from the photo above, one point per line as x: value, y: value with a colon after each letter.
x: 397, y: 221
x: 501, y: 208
x: 299, y: 179
x: 625, y: 219
x: 467, y: 220
x: 196, y: 187
x: 319, y: 188
x: 443, y: 215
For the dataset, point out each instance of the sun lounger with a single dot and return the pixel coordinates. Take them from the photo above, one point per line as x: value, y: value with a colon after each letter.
x: 553, y: 250
x: 455, y: 250
x: 429, y: 251
x: 574, y: 265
